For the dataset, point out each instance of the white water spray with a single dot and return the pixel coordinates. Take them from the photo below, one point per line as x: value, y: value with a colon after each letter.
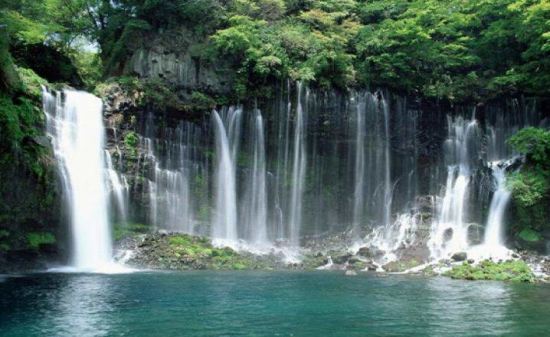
x: 119, y: 188
x: 298, y: 173
x: 450, y: 233
x: 75, y: 124
x: 225, y: 222
x: 359, y: 190
x: 494, y: 235
x: 256, y: 206
x: 493, y: 241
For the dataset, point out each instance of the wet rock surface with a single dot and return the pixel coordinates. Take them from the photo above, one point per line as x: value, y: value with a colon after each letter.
x: 460, y: 256
x: 173, y: 251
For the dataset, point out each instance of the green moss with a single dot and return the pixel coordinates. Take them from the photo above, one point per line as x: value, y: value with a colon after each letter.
x: 530, y: 235
x: 121, y: 231
x: 4, y: 234
x: 4, y: 240
x: 20, y: 122
x: 202, y: 102
x: 131, y: 142
x: 198, y: 252
x: 401, y: 265
x: 314, y: 261
x: 180, y: 240
x: 529, y: 187
x: 515, y: 271
x: 32, y: 82
x: 36, y: 239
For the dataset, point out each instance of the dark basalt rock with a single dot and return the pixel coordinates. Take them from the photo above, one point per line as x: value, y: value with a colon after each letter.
x: 460, y: 256
x: 341, y: 259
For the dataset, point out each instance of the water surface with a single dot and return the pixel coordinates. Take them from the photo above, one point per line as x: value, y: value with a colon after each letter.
x: 267, y: 304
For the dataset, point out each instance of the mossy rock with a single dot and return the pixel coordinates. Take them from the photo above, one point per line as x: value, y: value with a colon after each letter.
x: 311, y: 262
x: 37, y: 239
x: 47, y: 62
x: 530, y: 239
x: 4, y: 240
x: 121, y: 231
x: 513, y: 270
x: 358, y: 264
x: 401, y: 265
x: 198, y: 253
x: 530, y: 235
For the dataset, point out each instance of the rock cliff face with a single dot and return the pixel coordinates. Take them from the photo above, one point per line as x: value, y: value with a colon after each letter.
x: 171, y: 164
x: 177, y: 58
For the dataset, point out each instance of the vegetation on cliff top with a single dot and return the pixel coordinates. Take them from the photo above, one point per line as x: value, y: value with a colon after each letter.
x: 454, y: 50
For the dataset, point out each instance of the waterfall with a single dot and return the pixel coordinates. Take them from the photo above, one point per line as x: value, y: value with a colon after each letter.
x: 493, y: 246
x: 494, y: 236
x: 450, y: 232
x: 465, y: 150
x: 298, y: 172
x: 373, y: 186
x: 315, y: 163
x: 75, y: 125
x: 255, y: 207
x: 119, y: 188
x: 391, y: 238
x: 170, y: 166
x: 359, y: 190
x: 281, y: 140
x: 387, y: 164
x: 225, y: 222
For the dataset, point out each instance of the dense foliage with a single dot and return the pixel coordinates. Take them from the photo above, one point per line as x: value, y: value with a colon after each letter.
x: 25, y: 174
x: 437, y: 48
x: 531, y: 185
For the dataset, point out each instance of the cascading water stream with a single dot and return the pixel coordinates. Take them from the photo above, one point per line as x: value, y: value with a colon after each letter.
x: 494, y: 236
x: 75, y: 125
x: 119, y: 188
x: 298, y: 173
x: 359, y: 192
x: 255, y: 208
x: 493, y: 246
x: 313, y: 164
x: 169, y: 166
x: 225, y: 221
x: 387, y: 164
x: 450, y: 232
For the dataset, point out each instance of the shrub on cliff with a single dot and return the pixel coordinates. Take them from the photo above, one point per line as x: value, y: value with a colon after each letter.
x: 531, y: 185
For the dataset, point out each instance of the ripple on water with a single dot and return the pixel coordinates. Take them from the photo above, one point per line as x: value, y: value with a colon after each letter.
x: 267, y: 303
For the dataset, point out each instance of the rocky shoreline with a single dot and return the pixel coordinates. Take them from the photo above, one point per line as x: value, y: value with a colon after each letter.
x: 176, y: 251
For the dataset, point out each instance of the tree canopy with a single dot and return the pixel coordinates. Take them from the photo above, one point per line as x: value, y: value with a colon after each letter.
x: 448, y: 49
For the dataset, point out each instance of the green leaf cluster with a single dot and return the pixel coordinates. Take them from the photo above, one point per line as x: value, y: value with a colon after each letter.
x: 534, y: 143
x: 37, y: 239
x: 456, y: 50
x: 512, y: 270
x: 530, y: 185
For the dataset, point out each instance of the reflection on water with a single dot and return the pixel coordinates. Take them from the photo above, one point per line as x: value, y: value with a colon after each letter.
x: 267, y: 304
x: 81, y: 307
x: 457, y: 303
